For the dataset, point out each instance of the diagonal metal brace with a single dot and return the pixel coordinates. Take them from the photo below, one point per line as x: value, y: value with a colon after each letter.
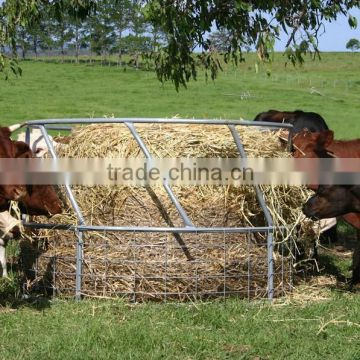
x: 166, y: 185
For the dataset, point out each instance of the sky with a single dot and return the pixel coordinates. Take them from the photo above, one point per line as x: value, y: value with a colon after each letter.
x: 336, y: 35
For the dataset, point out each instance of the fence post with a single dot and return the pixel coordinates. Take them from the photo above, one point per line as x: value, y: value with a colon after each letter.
x: 79, y: 260
x: 270, y: 238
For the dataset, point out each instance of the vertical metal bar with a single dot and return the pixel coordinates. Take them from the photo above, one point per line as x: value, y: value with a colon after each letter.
x: 79, y: 262
x: 170, y: 193
x: 81, y: 220
x: 27, y: 135
x: 283, y: 269
x: 249, y: 265
x: 54, y: 270
x: 291, y: 265
x: 225, y: 268
x: 67, y: 187
x: 270, y: 265
x: 106, y: 263
x: 268, y: 218
x: 134, y: 265
x: 166, y: 267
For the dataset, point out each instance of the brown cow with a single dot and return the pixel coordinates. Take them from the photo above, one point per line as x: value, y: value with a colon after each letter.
x: 333, y: 200
x: 299, y: 119
x: 337, y: 200
x: 322, y: 145
x: 8, y: 150
x: 38, y: 199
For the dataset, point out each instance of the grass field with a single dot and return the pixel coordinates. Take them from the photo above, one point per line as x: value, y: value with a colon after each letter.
x: 53, y: 90
x: 231, y: 330
x: 316, y: 322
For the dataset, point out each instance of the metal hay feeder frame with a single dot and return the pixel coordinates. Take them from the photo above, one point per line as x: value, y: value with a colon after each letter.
x: 188, y: 227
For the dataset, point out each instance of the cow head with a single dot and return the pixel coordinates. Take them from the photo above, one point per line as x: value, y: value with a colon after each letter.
x: 308, y: 144
x: 22, y: 150
x: 41, y: 200
x: 8, y: 150
x: 34, y: 199
x: 333, y: 200
x: 304, y: 144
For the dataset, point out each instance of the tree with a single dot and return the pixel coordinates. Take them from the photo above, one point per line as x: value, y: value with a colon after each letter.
x: 119, y: 12
x: 15, y: 13
x: 220, y: 41
x: 102, y: 37
x: 188, y: 23
x: 61, y: 29
x: 353, y: 44
x: 23, y: 41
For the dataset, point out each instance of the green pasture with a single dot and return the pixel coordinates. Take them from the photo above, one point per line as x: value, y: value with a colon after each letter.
x: 54, y: 90
x: 234, y: 329
x: 316, y: 322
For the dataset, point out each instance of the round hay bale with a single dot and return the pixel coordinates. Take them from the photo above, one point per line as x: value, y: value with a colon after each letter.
x: 180, y: 266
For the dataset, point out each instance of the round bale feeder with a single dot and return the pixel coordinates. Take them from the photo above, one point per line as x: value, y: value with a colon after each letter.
x: 167, y: 242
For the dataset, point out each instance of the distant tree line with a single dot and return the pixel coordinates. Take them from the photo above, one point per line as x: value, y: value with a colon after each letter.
x: 115, y: 27
x: 353, y: 45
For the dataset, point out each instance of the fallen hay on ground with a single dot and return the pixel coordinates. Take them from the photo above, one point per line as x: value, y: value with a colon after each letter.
x: 164, y: 266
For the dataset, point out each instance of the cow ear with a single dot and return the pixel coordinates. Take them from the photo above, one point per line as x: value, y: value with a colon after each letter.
x: 329, y: 137
x: 326, y: 138
x: 5, y: 132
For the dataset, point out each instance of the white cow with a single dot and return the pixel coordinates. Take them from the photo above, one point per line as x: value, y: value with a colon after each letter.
x: 37, y: 142
x: 7, y: 224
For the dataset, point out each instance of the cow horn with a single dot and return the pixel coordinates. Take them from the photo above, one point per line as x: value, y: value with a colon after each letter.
x: 12, y: 128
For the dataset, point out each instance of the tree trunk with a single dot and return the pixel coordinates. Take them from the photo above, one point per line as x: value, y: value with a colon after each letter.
x: 35, y: 46
x: 23, y: 45
x: 62, y: 37
x: 23, y: 51
x: 120, y: 51
x: 77, y: 44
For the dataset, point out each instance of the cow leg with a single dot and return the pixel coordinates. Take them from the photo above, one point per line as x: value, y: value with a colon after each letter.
x: 3, y: 258
x: 329, y: 236
x: 356, y: 262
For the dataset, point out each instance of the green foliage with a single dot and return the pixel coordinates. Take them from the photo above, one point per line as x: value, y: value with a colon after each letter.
x: 182, y: 27
x: 352, y: 21
x: 187, y: 25
x: 9, y: 66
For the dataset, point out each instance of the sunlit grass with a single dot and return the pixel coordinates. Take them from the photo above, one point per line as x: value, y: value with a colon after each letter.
x: 54, y: 90
x: 218, y: 330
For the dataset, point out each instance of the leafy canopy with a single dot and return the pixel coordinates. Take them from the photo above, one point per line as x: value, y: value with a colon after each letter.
x: 187, y: 25
x: 255, y: 23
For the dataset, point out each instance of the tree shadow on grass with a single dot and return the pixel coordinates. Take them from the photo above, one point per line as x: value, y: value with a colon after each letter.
x: 11, y: 298
x: 336, y: 259
x: 14, y: 290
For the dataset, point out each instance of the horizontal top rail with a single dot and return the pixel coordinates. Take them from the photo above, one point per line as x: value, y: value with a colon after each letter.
x: 101, y: 228
x: 158, y: 121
